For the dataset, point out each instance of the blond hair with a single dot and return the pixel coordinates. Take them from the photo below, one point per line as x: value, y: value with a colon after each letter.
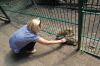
x: 34, y: 25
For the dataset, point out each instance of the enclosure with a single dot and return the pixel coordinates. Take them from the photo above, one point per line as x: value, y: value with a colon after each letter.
x: 83, y: 16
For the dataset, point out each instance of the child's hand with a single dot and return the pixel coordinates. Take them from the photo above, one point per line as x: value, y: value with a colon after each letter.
x: 63, y: 40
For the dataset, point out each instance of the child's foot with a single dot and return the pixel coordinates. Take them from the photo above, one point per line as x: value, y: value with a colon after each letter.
x: 33, y: 51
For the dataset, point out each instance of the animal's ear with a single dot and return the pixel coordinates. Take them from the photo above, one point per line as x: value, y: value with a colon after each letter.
x: 70, y: 28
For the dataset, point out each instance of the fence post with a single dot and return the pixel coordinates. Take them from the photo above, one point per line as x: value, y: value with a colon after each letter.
x: 80, y: 22
x: 6, y: 18
x: 33, y: 2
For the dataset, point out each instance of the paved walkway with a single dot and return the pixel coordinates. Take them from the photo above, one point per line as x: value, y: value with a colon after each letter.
x: 54, y: 55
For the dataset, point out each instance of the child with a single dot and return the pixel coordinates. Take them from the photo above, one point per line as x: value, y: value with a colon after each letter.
x: 24, y: 39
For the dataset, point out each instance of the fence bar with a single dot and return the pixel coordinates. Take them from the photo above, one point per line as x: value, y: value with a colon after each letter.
x: 80, y: 22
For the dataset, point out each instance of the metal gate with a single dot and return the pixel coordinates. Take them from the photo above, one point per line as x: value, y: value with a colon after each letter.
x: 90, y: 17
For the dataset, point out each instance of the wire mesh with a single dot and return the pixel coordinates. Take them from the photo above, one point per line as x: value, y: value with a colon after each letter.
x: 91, y: 27
x: 51, y: 15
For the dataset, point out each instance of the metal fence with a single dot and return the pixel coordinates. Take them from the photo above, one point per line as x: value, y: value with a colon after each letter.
x: 91, y: 27
x: 83, y: 16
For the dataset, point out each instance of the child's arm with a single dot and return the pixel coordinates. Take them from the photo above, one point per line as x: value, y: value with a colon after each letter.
x: 47, y: 42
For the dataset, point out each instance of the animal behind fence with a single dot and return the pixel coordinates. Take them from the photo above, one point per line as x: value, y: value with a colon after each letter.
x: 68, y: 33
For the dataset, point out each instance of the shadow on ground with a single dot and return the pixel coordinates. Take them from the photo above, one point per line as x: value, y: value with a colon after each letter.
x: 15, y: 60
x: 2, y: 25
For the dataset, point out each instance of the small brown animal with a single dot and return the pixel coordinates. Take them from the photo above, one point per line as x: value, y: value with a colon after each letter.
x: 69, y: 35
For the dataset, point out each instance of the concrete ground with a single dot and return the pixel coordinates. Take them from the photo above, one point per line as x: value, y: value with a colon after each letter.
x: 54, y: 55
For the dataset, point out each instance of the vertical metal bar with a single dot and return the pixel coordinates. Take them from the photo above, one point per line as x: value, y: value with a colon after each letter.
x: 84, y: 31
x: 97, y: 26
x: 75, y: 15
x: 57, y: 23
x: 50, y: 20
x: 88, y: 42
x: 80, y: 22
x: 71, y: 16
x: 33, y: 2
x: 43, y: 13
x: 68, y: 14
x: 97, y: 29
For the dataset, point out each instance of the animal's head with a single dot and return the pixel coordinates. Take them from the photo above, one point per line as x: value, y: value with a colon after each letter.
x: 66, y: 32
x: 69, y: 32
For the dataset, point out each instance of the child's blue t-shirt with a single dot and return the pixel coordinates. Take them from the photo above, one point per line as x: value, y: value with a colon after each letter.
x: 21, y: 38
